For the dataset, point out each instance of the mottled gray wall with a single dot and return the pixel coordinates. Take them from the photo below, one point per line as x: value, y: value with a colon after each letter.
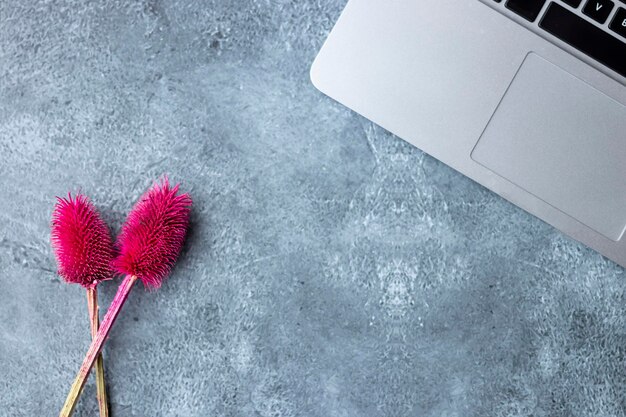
x: 332, y: 269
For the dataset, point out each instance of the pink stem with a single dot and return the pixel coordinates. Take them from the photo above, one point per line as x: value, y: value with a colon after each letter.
x: 97, y: 344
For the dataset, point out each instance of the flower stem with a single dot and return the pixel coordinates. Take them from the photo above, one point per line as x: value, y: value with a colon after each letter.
x: 94, y: 319
x: 96, y: 345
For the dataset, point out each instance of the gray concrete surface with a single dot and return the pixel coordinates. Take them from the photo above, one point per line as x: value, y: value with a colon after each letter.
x: 331, y: 270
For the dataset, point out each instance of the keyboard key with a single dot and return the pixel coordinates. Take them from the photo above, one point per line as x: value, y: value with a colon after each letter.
x: 619, y: 22
x: 585, y: 36
x: 598, y: 10
x: 573, y: 3
x: 528, y: 9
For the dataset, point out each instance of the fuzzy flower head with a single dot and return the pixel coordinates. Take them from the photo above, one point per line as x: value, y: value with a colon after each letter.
x: 81, y: 241
x: 153, y: 235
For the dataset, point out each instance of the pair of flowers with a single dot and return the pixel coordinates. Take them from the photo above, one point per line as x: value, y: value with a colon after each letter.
x: 146, y: 249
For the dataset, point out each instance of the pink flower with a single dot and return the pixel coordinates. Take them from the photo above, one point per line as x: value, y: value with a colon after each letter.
x: 153, y: 235
x: 81, y: 241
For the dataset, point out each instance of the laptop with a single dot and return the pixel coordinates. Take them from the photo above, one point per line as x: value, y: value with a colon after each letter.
x: 526, y: 97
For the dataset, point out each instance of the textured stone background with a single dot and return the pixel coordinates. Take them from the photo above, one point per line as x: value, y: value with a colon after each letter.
x: 332, y: 270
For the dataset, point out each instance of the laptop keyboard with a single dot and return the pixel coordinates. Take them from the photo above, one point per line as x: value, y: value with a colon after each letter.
x: 600, y: 34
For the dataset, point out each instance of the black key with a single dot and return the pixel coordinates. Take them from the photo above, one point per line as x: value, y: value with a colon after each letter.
x: 585, y: 37
x: 573, y: 3
x: 619, y: 22
x: 598, y: 10
x: 528, y: 9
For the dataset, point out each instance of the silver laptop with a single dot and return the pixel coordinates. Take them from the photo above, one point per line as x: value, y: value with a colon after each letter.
x: 526, y: 97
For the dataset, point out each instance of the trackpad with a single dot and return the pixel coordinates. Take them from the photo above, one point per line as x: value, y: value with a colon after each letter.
x: 562, y: 140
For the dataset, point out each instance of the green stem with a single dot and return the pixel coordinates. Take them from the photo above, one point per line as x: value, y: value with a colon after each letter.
x: 94, y: 319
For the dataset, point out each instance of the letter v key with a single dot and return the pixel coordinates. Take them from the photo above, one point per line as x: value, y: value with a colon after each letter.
x: 598, y: 10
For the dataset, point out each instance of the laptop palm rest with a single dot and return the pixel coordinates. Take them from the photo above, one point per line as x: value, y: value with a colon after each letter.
x: 563, y: 141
